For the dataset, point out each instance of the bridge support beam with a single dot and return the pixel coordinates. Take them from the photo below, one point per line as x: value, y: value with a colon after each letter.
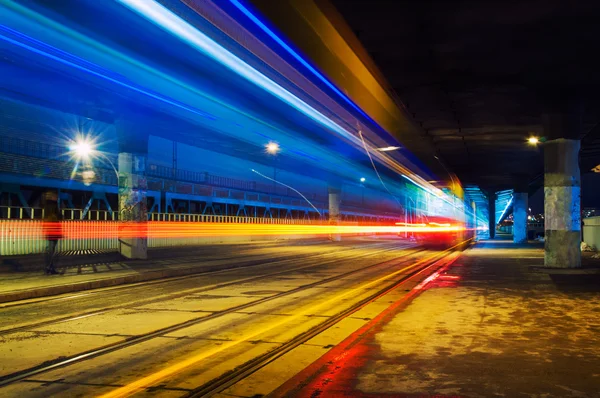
x: 562, y: 192
x: 492, y: 213
x: 133, y: 151
x: 520, y: 207
x: 335, y: 199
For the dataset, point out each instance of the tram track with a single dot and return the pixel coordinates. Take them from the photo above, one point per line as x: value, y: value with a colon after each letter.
x: 245, y: 370
x: 134, y: 340
x: 179, y: 294
x: 256, y: 261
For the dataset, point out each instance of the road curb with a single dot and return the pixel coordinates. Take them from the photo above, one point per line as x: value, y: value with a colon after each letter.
x: 109, y: 282
x: 31, y: 263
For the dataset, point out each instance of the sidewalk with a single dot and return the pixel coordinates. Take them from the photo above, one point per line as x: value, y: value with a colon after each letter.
x: 495, y: 324
x: 103, y: 270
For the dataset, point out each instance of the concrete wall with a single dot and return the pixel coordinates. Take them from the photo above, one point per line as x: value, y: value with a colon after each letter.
x: 591, y: 231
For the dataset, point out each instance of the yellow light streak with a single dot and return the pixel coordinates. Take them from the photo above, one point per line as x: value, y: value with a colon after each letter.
x: 154, y: 378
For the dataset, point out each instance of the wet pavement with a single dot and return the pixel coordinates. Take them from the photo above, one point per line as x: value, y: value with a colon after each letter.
x: 494, y: 324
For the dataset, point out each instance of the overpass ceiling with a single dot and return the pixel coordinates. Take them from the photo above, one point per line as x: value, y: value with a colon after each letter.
x: 475, y: 75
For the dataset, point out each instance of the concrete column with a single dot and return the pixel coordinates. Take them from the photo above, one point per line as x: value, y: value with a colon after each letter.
x: 520, y: 207
x: 133, y: 150
x: 562, y: 201
x: 492, y: 212
x: 335, y: 199
x: 474, y: 210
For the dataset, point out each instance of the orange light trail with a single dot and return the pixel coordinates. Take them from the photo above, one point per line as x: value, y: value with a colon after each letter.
x: 174, y: 229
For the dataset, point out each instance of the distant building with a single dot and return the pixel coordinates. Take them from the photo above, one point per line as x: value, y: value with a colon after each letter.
x: 590, y: 212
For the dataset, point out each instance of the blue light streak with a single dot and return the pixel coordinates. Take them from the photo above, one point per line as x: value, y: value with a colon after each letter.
x: 93, y: 72
x: 297, y: 56
x: 178, y: 27
x: 222, y: 55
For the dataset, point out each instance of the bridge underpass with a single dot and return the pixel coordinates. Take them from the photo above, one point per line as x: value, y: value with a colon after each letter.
x: 229, y: 134
x: 296, y: 206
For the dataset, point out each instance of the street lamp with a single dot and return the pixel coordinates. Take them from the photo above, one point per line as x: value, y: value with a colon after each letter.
x: 273, y: 148
x: 533, y: 140
x: 84, y: 149
x: 362, y: 184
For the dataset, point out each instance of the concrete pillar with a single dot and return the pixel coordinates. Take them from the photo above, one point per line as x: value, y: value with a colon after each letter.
x: 335, y: 199
x: 474, y: 210
x: 520, y: 207
x: 562, y: 202
x: 133, y: 150
x: 492, y: 212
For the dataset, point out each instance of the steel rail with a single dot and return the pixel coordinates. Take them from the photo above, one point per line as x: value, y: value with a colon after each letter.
x: 46, y: 367
x: 243, y: 371
x: 184, y: 293
x: 257, y: 260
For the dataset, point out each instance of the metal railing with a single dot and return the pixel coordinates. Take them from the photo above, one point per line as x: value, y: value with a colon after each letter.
x: 25, y: 236
x: 36, y: 213
x: 30, y: 157
x: 19, y: 237
x: 229, y: 219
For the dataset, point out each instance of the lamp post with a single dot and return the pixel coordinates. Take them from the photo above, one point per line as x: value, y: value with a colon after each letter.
x: 362, y: 184
x: 273, y: 148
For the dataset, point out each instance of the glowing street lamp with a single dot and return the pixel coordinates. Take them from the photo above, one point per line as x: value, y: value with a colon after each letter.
x: 82, y: 149
x: 272, y: 148
x: 533, y: 140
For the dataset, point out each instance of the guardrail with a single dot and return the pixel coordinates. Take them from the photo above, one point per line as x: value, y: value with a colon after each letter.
x: 18, y: 237
x: 21, y: 237
x: 228, y: 219
x: 36, y: 213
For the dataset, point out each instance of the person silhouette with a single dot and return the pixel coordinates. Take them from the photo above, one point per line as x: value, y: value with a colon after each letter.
x: 52, y: 229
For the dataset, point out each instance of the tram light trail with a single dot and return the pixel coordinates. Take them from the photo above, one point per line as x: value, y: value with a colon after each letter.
x: 76, y: 230
x: 180, y: 28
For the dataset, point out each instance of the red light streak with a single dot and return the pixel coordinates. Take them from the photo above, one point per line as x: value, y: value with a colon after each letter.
x: 430, y: 278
